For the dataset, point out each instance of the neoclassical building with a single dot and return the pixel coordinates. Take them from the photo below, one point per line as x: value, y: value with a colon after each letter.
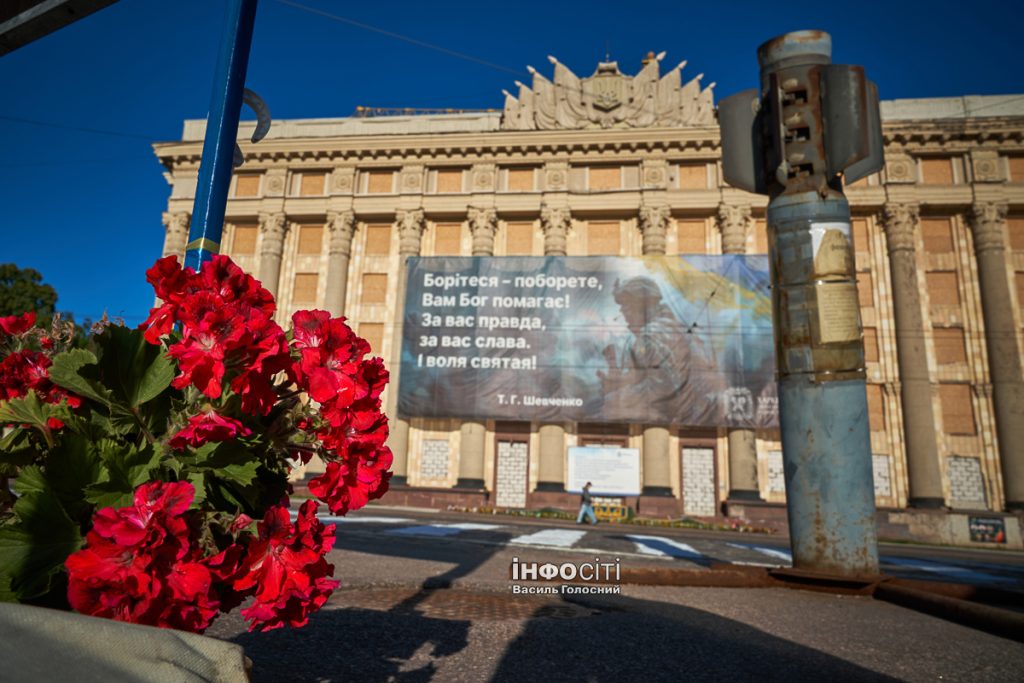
x: 326, y: 211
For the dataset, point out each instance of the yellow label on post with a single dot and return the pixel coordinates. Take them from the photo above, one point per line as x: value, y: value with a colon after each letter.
x: 838, y: 312
x: 204, y: 244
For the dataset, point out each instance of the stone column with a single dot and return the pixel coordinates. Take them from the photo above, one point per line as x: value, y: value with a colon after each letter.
x: 657, y: 480
x: 176, y: 227
x: 555, y: 223
x: 734, y: 222
x: 273, y: 228
x: 410, y: 226
x: 988, y: 222
x: 919, y: 438
x: 341, y: 227
x: 483, y: 224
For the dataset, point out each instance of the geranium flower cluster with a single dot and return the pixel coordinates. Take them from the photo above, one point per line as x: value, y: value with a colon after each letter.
x: 143, y: 564
x: 197, y: 417
x: 228, y: 336
x: 227, y: 330
x: 331, y: 368
x: 22, y: 368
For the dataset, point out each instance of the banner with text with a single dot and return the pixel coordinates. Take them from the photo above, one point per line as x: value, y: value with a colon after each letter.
x: 683, y: 340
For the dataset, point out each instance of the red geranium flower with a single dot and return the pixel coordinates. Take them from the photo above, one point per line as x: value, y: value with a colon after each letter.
x: 208, y: 426
x: 15, y: 325
x: 286, y: 570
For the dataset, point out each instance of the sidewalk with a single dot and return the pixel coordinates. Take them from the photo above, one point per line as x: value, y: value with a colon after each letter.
x: 412, y: 610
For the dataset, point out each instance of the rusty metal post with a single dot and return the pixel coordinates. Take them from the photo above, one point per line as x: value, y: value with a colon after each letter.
x: 811, y: 121
x: 823, y: 406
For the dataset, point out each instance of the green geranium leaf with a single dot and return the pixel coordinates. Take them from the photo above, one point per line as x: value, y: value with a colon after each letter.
x: 16, y: 451
x: 136, y: 370
x: 34, y: 547
x: 74, y: 370
x: 72, y: 466
x: 29, y: 410
x: 127, y: 468
x: 31, y: 480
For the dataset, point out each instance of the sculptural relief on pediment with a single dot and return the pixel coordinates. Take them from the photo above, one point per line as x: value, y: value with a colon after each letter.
x: 609, y: 99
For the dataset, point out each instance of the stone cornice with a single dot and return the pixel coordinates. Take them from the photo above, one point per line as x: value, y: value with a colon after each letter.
x: 452, y: 146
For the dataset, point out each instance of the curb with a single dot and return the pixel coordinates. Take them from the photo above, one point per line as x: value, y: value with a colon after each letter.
x: 959, y: 603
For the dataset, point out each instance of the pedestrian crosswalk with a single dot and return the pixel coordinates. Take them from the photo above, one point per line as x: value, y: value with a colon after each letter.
x: 664, y: 547
x: 554, y: 538
x: 651, y: 546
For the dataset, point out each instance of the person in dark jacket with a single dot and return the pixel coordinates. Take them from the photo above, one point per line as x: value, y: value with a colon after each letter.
x: 586, y: 507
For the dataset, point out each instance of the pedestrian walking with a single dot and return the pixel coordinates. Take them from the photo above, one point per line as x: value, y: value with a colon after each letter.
x: 586, y: 507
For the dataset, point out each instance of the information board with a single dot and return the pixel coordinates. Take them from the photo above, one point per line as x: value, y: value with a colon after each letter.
x: 611, y: 470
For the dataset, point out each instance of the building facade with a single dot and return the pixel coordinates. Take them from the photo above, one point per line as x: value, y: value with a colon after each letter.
x: 326, y: 211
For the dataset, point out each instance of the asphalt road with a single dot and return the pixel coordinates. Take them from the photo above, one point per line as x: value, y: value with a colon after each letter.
x: 428, y: 596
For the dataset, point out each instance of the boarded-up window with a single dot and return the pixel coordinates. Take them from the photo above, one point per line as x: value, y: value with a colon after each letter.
x: 448, y: 239
x: 943, y: 289
x: 1016, y: 164
x: 938, y: 235
x: 519, y: 239
x: 305, y: 288
x: 378, y: 240
x: 311, y: 239
x: 604, y: 238
x: 449, y: 180
x: 521, y: 179
x: 1015, y: 226
x: 379, y: 182
x: 374, y: 334
x: 245, y: 239
x: 860, y: 235
x: 605, y: 178
x: 693, y: 176
x: 949, y: 345
x: 870, y: 344
x: 876, y: 408
x: 865, y: 290
x: 312, y: 184
x: 937, y: 171
x: 957, y: 409
x: 247, y: 185
x: 375, y: 288
x: 760, y: 236
x: 692, y: 239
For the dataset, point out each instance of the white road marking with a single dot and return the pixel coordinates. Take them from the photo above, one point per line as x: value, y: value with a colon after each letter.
x: 552, y: 538
x: 660, y: 546
x: 784, y: 555
x: 937, y: 568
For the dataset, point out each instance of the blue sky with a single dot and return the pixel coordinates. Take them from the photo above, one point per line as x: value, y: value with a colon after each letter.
x: 84, y: 207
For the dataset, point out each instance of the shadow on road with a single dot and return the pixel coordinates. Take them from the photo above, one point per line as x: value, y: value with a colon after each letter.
x: 605, y: 638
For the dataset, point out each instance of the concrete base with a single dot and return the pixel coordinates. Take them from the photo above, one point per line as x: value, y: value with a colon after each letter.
x: 436, y: 498
x: 939, y: 527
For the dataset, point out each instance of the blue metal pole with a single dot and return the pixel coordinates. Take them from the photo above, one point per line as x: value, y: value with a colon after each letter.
x: 221, y: 131
x: 823, y: 410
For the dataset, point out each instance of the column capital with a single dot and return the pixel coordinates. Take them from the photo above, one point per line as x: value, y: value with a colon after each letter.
x: 342, y: 226
x: 483, y: 224
x: 176, y: 226
x: 733, y: 222
x: 273, y: 227
x: 176, y: 221
x: 899, y: 220
x: 987, y: 220
x: 653, y: 224
x: 555, y: 223
x: 410, y: 224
